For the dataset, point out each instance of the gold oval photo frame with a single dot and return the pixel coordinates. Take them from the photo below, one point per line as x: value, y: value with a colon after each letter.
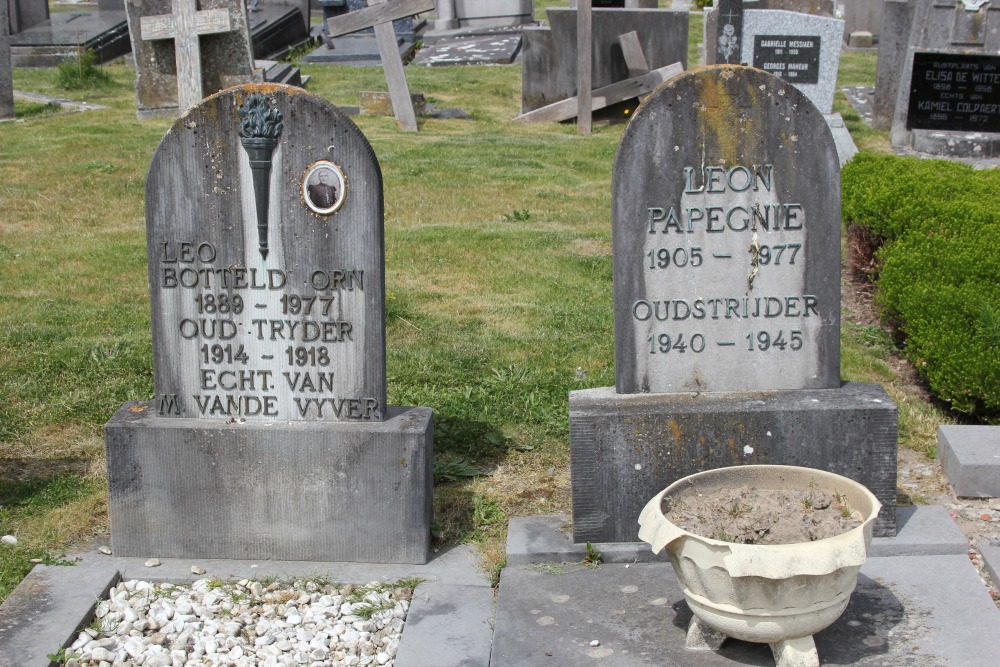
x: 324, y: 187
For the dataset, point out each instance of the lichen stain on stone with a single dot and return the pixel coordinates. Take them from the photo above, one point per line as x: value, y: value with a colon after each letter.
x: 727, y: 133
x: 675, y: 430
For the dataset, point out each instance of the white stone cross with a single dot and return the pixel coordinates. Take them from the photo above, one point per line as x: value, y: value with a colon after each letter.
x: 380, y: 14
x: 184, y: 25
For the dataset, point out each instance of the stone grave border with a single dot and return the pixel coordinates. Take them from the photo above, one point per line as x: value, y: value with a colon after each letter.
x: 449, y: 620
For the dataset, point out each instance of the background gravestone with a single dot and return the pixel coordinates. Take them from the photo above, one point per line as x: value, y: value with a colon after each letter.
x: 23, y: 14
x: 360, y: 47
x: 801, y: 48
x: 6, y: 82
x: 947, y: 87
x: 733, y: 9
x: 47, y: 41
x: 726, y: 246
x: 549, y: 54
x: 269, y: 435
x: 799, y: 42
x: 226, y: 58
x: 863, y: 15
x: 893, y: 40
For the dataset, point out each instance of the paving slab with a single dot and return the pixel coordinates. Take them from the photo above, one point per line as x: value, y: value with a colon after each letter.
x: 454, y: 598
x: 927, y: 531
x: 970, y: 457
x: 922, y: 611
x: 447, y: 625
x: 922, y: 531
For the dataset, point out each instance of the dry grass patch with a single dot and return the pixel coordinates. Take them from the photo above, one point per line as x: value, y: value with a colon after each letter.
x: 590, y: 248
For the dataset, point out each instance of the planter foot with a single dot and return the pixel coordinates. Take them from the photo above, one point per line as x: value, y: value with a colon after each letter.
x: 799, y: 652
x: 700, y: 637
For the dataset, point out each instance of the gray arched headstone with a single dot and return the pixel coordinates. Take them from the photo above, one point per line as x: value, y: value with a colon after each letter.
x: 718, y: 364
x: 725, y: 173
x: 308, y: 342
x: 268, y: 436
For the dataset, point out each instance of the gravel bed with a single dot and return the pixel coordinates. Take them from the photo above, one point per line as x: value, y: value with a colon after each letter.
x: 212, y: 623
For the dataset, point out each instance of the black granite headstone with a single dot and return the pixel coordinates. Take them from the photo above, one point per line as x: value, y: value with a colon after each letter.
x: 956, y: 92
x: 943, y: 72
x: 729, y: 32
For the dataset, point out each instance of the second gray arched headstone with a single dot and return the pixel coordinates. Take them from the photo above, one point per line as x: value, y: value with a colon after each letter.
x: 726, y: 234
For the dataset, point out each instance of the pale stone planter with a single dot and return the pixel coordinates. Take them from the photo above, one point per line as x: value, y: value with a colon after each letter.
x: 776, y: 594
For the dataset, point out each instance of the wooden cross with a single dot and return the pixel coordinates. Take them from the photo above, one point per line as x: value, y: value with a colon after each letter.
x: 584, y: 66
x: 184, y: 25
x: 380, y: 14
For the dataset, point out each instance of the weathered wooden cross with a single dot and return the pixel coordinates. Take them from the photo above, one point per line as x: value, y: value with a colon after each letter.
x: 6, y: 83
x: 584, y: 65
x: 380, y: 14
x: 184, y: 25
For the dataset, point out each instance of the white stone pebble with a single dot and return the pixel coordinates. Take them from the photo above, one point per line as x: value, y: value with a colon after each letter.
x: 221, y: 624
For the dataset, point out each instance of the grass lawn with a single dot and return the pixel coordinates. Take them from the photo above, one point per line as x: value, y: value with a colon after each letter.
x: 498, y: 272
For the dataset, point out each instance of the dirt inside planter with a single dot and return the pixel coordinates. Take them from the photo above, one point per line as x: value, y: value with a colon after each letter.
x: 749, y: 515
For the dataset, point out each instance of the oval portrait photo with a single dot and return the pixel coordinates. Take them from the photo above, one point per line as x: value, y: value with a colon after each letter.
x: 324, y: 187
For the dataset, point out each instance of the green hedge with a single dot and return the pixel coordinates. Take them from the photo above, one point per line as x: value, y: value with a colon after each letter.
x: 939, y: 277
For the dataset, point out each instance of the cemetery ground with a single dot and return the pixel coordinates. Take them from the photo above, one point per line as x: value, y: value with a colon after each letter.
x: 499, y: 291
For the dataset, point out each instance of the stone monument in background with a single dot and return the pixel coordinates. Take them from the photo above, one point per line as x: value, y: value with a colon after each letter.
x: 43, y: 40
x: 25, y: 14
x: 184, y: 52
x: 456, y: 14
x: 549, y: 72
x: 938, y: 81
x: 726, y: 249
x: 269, y: 435
x: 797, y: 41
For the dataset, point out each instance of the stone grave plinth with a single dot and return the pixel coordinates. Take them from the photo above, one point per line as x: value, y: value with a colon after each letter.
x: 61, y: 37
x: 726, y: 250
x: 269, y: 435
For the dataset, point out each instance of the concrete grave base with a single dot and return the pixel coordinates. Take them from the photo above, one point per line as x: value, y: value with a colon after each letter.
x: 919, y: 601
x: 625, y: 448
x: 358, y: 49
x: 547, y: 538
x: 311, y: 491
x: 956, y: 144
x: 62, y: 36
x: 970, y: 457
x: 846, y: 148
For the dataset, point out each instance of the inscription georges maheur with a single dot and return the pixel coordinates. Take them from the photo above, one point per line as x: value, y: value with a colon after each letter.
x: 726, y: 240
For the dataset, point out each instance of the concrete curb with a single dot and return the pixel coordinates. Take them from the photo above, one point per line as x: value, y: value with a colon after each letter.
x: 922, y: 531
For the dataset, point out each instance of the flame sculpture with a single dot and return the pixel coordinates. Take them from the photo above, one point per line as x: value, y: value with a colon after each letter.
x: 260, y: 127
